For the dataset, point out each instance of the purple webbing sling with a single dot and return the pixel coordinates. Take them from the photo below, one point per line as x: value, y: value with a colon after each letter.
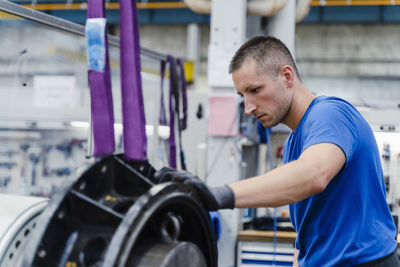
x: 162, y: 119
x: 100, y: 95
x: 172, y: 145
x: 183, y: 120
x: 174, y: 95
x: 134, y: 123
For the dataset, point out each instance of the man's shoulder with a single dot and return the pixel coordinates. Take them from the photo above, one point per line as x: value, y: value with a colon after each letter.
x: 329, y: 105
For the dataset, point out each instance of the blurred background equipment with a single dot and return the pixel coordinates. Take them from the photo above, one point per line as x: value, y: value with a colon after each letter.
x: 45, y: 120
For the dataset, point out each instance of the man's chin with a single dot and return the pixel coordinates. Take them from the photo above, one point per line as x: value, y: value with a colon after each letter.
x: 269, y: 124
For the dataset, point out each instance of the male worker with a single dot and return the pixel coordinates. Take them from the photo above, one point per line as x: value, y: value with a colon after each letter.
x: 332, y: 177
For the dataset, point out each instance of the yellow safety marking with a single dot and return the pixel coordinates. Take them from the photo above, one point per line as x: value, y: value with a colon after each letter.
x: 110, y: 198
x: 167, y: 5
x: 188, y: 66
x: 82, y: 6
x: 355, y: 2
x: 4, y: 15
x: 70, y: 264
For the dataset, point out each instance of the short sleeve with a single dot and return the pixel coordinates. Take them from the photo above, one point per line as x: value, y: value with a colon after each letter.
x: 331, y: 122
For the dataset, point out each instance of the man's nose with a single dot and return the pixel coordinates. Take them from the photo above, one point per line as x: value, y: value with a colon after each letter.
x: 249, y: 106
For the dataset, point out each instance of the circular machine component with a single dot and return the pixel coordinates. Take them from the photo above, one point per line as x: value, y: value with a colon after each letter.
x: 176, y: 254
x: 18, y: 219
x: 167, y: 213
x: 114, y: 215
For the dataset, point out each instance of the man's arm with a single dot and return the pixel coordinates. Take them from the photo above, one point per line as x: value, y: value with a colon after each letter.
x: 295, y: 255
x: 292, y: 182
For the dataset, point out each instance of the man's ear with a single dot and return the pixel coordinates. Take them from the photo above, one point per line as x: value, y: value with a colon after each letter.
x: 287, y: 73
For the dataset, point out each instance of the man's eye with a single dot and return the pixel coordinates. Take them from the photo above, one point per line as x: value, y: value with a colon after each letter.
x: 255, y: 90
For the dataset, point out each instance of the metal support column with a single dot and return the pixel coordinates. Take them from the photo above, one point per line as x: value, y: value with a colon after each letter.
x: 193, y: 48
x: 228, y: 28
x: 283, y: 25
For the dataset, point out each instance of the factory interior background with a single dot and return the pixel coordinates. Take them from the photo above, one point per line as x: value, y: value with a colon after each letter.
x: 349, y: 49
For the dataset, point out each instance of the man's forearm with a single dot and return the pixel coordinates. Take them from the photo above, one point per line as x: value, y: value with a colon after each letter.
x: 293, y: 182
x: 285, y: 185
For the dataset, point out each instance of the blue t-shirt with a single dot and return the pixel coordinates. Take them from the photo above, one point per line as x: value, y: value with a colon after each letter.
x: 349, y: 222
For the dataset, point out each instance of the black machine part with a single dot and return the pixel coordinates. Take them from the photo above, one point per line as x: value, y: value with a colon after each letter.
x: 173, y: 254
x: 113, y: 214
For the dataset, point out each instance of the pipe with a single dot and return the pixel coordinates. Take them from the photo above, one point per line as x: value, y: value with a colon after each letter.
x: 204, y: 6
x: 199, y: 6
x: 83, y: 6
x: 256, y: 7
x: 302, y: 9
x: 265, y: 7
x: 283, y: 26
x: 355, y: 2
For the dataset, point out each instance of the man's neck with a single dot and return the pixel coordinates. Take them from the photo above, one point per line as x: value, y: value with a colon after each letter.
x: 302, y: 99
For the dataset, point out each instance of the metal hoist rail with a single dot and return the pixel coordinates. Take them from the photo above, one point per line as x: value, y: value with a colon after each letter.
x: 113, y: 212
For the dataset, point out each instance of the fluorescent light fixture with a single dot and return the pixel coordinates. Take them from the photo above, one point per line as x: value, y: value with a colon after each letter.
x: 163, y: 131
x: 149, y: 130
x: 20, y: 135
x: 79, y: 124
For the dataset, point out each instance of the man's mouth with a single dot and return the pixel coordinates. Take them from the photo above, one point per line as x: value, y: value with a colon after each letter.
x: 259, y: 117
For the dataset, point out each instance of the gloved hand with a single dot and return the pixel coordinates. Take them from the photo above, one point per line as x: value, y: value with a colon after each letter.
x: 214, y: 198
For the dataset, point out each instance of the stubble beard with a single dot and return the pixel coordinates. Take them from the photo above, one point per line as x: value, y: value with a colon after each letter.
x: 281, y: 119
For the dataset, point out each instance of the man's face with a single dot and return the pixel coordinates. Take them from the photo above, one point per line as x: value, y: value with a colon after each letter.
x: 266, y: 98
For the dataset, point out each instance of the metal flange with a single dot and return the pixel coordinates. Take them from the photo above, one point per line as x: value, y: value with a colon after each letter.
x: 113, y: 214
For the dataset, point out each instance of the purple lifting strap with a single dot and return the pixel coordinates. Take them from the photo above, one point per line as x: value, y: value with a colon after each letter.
x: 100, y: 94
x: 162, y: 119
x: 174, y: 93
x: 183, y: 120
x: 172, y: 145
x: 135, y: 144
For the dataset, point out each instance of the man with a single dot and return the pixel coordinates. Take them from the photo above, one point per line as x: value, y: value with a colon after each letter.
x: 332, y: 177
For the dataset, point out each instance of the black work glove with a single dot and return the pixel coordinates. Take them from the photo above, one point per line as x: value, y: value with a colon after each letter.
x: 214, y: 198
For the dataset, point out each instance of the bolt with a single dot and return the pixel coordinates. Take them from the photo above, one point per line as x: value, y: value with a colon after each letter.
x: 42, y: 253
x: 82, y: 186
x: 61, y: 215
x: 104, y: 169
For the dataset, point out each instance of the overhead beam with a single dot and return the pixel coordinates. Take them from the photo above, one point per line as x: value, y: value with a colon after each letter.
x: 63, y: 25
x: 355, y: 2
x: 180, y: 5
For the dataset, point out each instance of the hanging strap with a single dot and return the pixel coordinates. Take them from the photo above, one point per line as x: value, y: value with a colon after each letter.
x: 162, y: 118
x: 177, y: 90
x: 134, y: 123
x: 164, y: 147
x: 183, y: 118
x: 173, y: 87
x: 99, y: 80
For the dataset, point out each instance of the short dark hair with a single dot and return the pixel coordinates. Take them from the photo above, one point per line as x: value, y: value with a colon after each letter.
x: 269, y: 52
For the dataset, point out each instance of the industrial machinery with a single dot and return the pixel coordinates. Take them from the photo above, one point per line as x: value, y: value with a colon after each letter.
x: 113, y: 214
x: 18, y: 219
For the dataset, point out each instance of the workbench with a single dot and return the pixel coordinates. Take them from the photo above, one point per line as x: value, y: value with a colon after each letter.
x: 257, y: 248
